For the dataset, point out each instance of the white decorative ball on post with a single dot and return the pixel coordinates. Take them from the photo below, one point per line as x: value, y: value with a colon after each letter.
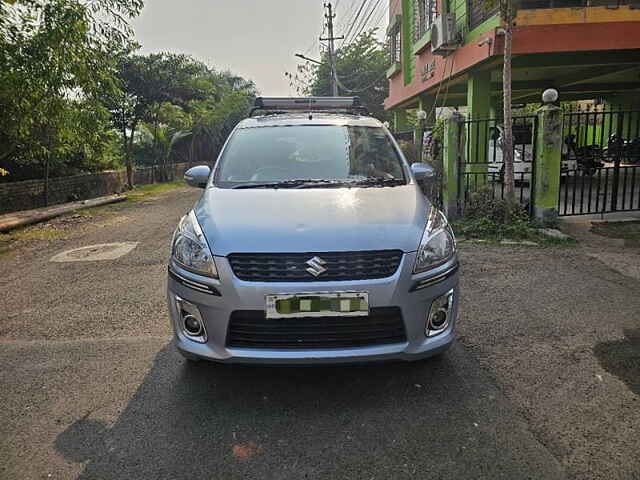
x: 550, y: 95
x: 421, y: 114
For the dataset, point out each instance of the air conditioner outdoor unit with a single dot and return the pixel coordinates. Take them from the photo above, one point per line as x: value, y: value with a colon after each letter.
x: 443, y: 34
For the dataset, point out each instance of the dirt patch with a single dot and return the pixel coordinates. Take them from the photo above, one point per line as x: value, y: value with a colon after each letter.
x: 627, y: 231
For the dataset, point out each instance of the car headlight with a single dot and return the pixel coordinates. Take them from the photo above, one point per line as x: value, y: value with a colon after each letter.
x: 189, y: 248
x: 437, y: 245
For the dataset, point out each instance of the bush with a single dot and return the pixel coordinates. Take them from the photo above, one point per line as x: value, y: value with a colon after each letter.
x: 489, y: 217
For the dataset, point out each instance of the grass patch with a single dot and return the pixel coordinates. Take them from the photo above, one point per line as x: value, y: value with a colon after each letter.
x: 36, y: 233
x: 145, y: 191
x: 8, y: 241
x: 625, y: 230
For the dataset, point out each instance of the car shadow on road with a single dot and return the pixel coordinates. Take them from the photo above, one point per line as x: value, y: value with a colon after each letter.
x: 622, y: 358
x: 374, y: 421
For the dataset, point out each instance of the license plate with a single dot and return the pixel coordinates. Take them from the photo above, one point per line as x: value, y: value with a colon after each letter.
x: 333, y: 304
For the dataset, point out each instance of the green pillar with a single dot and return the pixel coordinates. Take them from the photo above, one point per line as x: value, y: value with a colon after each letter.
x: 408, y: 58
x: 453, y: 140
x: 400, y: 123
x: 546, y: 185
x: 479, y: 94
x: 478, y: 103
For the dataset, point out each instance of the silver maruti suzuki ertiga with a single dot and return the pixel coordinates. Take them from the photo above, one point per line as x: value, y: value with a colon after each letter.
x: 312, y: 243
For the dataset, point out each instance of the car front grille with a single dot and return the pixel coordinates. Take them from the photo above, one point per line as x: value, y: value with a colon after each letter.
x: 292, y: 267
x: 251, y: 329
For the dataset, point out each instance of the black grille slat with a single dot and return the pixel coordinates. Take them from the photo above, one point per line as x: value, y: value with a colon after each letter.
x: 251, y: 329
x: 291, y: 267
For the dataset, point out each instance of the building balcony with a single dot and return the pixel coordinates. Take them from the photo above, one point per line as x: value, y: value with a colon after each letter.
x: 584, y: 48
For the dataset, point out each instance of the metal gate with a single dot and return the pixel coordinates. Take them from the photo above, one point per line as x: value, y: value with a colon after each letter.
x: 481, y: 164
x: 600, y: 162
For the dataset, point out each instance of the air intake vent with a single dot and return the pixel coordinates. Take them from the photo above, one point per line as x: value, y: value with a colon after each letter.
x: 294, y: 267
x: 251, y: 329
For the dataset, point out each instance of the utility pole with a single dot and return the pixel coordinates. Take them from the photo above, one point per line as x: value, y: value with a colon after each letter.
x: 332, y: 54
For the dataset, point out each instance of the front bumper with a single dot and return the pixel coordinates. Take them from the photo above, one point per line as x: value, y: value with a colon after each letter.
x: 413, y: 294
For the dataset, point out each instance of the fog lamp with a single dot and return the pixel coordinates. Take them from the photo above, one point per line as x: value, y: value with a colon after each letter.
x: 440, y: 313
x: 189, y: 321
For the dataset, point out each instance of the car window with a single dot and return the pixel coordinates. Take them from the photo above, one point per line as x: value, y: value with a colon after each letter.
x: 328, y: 152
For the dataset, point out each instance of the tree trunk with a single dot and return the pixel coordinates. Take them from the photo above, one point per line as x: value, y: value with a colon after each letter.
x: 507, y: 148
x: 126, y: 147
x: 46, y: 180
x: 129, y: 156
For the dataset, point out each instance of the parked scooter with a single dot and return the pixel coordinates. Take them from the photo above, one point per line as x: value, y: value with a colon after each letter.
x: 588, y: 157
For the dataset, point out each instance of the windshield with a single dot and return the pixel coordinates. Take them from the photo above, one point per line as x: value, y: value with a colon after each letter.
x: 309, y: 152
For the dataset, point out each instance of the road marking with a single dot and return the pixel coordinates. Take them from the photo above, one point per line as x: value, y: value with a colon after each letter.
x: 94, y: 253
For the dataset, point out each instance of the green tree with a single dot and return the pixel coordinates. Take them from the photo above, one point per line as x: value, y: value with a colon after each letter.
x: 361, y: 69
x: 214, y: 119
x: 173, y: 107
x: 55, y: 61
x: 149, y: 83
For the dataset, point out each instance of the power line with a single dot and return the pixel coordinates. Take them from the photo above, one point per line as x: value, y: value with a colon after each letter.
x: 361, y: 89
x: 382, y: 16
x: 365, y: 14
x: 355, y: 19
x: 348, y: 16
x: 364, y: 24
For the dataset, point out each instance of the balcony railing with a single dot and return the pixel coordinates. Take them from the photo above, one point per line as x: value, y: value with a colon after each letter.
x: 533, y: 4
x: 478, y: 12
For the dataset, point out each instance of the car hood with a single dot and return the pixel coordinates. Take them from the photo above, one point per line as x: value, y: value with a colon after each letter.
x: 312, y: 220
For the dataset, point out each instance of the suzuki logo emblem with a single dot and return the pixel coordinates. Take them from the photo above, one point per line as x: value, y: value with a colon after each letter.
x: 316, y: 266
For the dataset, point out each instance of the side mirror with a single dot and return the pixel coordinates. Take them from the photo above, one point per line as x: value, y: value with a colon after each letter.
x: 422, y: 171
x: 197, y: 176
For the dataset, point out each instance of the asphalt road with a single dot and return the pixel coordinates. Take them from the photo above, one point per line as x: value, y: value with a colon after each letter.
x: 541, y: 385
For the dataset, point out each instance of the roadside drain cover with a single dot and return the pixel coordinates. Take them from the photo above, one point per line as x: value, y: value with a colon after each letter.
x: 92, y: 253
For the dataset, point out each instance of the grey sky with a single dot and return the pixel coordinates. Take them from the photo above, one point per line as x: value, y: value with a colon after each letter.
x: 254, y: 38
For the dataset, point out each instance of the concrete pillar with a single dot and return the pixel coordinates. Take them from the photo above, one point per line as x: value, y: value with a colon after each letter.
x: 478, y: 103
x: 546, y: 184
x: 452, y: 151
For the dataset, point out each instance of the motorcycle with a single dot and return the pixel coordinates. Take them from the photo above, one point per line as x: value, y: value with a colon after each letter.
x: 588, y: 157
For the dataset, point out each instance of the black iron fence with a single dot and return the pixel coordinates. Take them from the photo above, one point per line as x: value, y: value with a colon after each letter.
x: 601, y: 152
x: 482, y: 165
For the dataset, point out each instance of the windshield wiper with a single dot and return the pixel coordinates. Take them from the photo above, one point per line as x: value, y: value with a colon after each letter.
x: 378, y: 182
x: 297, y: 183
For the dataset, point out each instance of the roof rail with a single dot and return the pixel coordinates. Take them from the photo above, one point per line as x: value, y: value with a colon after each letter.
x: 308, y: 104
